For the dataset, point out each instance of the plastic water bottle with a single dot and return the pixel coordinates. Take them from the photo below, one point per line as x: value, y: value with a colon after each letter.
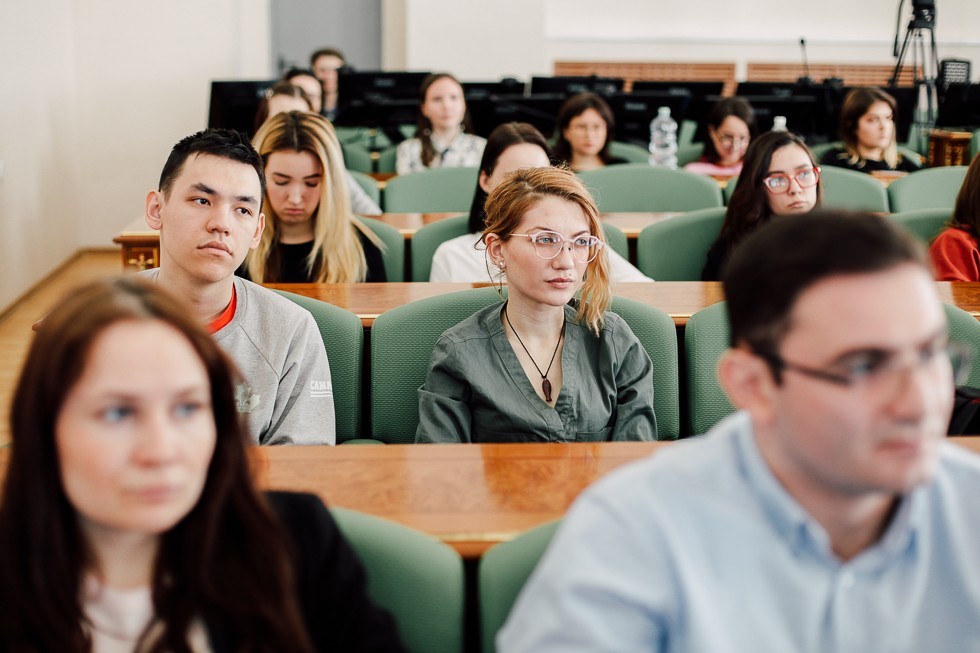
x: 663, y: 140
x: 779, y: 123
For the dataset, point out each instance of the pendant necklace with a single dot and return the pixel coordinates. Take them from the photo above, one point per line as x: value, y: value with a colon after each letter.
x: 545, y: 383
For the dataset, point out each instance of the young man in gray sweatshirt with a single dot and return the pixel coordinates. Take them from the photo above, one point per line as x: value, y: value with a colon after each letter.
x: 208, y: 210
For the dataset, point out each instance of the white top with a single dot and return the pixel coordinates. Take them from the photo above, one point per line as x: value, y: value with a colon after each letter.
x: 118, y: 618
x: 465, y: 151
x: 457, y: 261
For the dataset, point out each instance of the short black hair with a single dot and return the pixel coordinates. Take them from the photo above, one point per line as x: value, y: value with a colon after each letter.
x: 224, y: 143
x: 773, y: 266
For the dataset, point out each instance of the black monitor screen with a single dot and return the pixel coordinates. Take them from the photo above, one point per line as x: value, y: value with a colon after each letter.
x: 960, y: 106
x: 378, y: 99
x: 800, y: 113
x: 680, y: 88
x: 634, y: 112
x: 538, y: 110
x: 571, y: 85
x: 233, y: 104
x: 480, y: 90
x: 771, y: 89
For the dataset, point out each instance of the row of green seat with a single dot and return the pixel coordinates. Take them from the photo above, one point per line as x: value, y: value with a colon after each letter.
x: 422, y: 582
x: 402, y: 340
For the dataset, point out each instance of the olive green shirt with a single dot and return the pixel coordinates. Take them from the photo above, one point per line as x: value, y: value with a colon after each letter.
x: 477, y: 391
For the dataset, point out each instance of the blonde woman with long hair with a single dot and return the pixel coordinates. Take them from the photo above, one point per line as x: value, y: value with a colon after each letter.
x: 541, y: 367
x: 311, y: 234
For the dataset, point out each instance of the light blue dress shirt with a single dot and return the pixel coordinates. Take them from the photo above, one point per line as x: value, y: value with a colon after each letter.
x: 699, y: 548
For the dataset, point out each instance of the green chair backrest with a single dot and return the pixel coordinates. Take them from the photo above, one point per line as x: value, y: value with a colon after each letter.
x: 426, y: 241
x: 705, y: 340
x: 387, y: 158
x: 357, y: 158
x: 689, y: 153
x: 933, y: 188
x: 502, y: 573
x: 630, y: 152
x: 657, y: 333
x: 852, y: 190
x: 729, y: 189
x: 394, y: 251
x: 687, y: 131
x: 616, y: 239
x: 401, y: 347
x: 676, y: 249
x: 924, y: 224
x: 641, y: 187
x: 369, y: 185
x: 343, y: 338
x: 965, y: 329
x: 975, y: 144
x: 431, y: 191
x: 417, y: 578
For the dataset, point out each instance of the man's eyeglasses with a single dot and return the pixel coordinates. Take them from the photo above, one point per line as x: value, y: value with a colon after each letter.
x: 548, y: 245
x: 882, y: 370
x: 779, y: 183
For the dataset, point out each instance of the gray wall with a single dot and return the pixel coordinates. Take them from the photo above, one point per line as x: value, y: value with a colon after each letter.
x: 298, y: 27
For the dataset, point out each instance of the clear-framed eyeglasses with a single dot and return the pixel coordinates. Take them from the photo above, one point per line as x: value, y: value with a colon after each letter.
x: 730, y: 140
x: 548, y: 245
x: 881, y: 371
x: 779, y: 183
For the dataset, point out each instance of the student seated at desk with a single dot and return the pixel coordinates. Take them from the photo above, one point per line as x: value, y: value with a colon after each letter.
x: 585, y: 127
x: 208, y: 212
x: 510, y: 147
x: 307, y: 81
x: 538, y: 368
x: 731, y: 125
x: 130, y: 519
x: 867, y: 128
x: 955, y: 254
x: 440, y: 139
x: 311, y: 236
x: 779, y: 178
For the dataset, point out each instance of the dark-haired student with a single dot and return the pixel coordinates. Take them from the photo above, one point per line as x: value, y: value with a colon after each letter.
x: 832, y: 493
x: 130, y: 519
x: 326, y: 64
x: 585, y: 128
x: 208, y: 210
x: 731, y: 125
x: 955, y: 253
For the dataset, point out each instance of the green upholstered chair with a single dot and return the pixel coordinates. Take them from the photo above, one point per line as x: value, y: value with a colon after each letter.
x: 689, y: 153
x: 965, y: 329
x: 394, y: 252
x: 933, y: 188
x: 688, y: 129
x: 975, y: 144
x: 343, y: 338
x: 357, y: 158
x: 706, y: 337
x: 402, y: 340
x: 729, y: 189
x: 502, y: 573
x: 369, y: 185
x: 417, y: 578
x: 401, y: 346
x: 427, y: 239
x: 431, y: 191
x: 924, y: 224
x: 387, y: 159
x: 629, y: 152
x: 641, y: 187
x: 676, y: 249
x: 616, y: 240
x: 855, y: 191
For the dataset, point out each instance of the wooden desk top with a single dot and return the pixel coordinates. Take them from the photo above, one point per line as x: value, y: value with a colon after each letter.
x: 679, y: 299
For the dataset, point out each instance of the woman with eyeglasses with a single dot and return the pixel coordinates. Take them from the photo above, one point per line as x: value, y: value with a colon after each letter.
x: 955, y: 253
x: 731, y: 125
x: 541, y: 367
x: 867, y: 128
x: 779, y: 178
x: 131, y: 520
x: 585, y: 127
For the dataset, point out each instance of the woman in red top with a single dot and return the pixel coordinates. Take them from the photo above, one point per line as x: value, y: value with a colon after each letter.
x: 955, y: 254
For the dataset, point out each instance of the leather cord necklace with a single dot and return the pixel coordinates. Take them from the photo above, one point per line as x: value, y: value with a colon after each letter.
x: 545, y: 383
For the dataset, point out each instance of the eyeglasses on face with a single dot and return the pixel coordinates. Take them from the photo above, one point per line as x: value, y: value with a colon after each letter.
x: 883, y: 371
x: 779, y: 182
x: 548, y: 245
x: 597, y: 128
x: 728, y: 140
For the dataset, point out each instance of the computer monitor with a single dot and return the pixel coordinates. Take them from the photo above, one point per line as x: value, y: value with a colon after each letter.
x: 634, y: 112
x: 539, y: 110
x: 234, y: 103
x: 570, y: 85
x: 768, y: 89
x: 800, y: 112
x: 480, y: 90
x: 692, y: 88
x: 382, y: 99
x: 960, y: 106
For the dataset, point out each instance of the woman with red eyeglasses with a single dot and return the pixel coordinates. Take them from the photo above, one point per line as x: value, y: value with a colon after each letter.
x: 779, y: 177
